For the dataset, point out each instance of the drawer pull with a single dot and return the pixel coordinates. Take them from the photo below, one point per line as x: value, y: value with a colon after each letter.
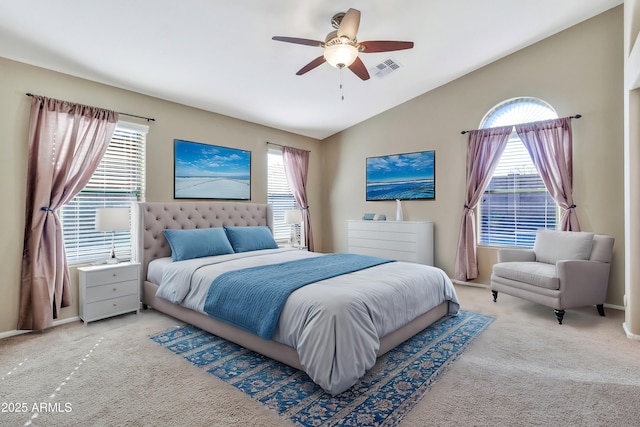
x: 115, y: 289
x: 115, y: 304
x: 115, y: 274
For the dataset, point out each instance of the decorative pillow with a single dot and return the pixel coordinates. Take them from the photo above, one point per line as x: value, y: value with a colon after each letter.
x: 197, y: 243
x: 254, y: 238
x: 552, y: 246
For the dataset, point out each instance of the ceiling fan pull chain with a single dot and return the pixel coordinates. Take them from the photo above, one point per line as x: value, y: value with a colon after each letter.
x: 341, y: 86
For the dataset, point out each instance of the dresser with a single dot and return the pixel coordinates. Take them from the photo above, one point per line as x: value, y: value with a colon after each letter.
x: 108, y: 290
x: 410, y: 241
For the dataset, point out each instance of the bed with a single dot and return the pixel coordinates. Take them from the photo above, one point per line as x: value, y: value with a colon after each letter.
x: 334, y: 340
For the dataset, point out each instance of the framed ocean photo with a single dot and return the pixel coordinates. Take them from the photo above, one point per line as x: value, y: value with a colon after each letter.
x: 203, y: 171
x: 409, y: 176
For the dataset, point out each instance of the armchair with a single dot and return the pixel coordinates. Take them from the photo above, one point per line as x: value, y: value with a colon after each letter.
x: 564, y: 270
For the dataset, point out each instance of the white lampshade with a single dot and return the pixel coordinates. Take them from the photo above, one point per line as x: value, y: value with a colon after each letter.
x: 340, y: 55
x: 112, y: 219
x: 293, y: 216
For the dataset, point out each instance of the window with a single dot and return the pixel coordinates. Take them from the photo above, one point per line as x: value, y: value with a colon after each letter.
x: 516, y: 203
x: 279, y: 195
x: 118, y: 182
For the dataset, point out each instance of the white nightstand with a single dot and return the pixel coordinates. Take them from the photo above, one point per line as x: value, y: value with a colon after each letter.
x: 108, y: 290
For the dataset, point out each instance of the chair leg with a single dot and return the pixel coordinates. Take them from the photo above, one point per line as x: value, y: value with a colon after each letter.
x: 495, y: 295
x: 559, y: 315
x: 600, y: 308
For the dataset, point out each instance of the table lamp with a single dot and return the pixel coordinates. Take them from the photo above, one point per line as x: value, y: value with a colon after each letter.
x: 293, y: 217
x: 111, y: 220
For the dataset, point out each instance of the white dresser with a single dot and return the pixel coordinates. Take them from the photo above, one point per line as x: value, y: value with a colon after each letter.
x: 108, y: 290
x: 410, y: 241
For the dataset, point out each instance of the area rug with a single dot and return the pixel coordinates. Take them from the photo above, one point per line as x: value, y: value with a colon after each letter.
x: 388, y: 390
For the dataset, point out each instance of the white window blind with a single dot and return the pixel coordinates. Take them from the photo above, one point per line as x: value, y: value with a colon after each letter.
x: 279, y: 195
x: 516, y: 203
x: 118, y: 182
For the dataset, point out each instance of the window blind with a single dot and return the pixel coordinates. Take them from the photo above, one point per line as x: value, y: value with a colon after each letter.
x: 516, y: 202
x: 118, y: 182
x: 279, y: 195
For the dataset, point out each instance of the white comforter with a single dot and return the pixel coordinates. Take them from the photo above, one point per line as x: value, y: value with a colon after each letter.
x: 335, y: 325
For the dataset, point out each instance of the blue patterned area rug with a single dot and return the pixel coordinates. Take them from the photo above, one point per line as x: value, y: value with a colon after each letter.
x: 381, y: 398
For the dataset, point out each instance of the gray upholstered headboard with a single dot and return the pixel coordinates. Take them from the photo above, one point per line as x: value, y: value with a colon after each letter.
x: 150, y: 219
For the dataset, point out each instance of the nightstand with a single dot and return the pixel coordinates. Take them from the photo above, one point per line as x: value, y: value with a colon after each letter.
x: 108, y: 290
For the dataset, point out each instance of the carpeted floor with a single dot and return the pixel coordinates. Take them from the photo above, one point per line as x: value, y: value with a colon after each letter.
x: 381, y: 398
x: 524, y: 369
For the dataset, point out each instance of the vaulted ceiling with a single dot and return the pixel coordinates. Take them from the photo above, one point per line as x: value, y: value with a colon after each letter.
x: 218, y: 55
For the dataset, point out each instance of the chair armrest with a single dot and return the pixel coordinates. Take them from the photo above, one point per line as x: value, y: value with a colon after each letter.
x: 583, y: 282
x: 516, y: 255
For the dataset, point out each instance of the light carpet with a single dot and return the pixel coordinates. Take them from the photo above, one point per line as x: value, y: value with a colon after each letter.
x: 381, y: 398
x: 523, y: 370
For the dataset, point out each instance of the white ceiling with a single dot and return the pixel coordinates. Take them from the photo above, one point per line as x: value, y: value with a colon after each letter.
x: 218, y: 55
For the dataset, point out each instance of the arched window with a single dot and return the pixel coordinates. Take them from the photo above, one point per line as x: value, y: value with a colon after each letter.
x: 516, y: 203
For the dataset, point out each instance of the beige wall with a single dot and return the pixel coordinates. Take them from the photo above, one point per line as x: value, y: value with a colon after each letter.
x: 577, y: 71
x: 172, y: 121
x: 632, y: 167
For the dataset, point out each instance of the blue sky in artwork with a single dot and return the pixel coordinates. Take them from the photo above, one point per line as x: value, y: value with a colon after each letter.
x: 203, y: 160
x: 401, y: 167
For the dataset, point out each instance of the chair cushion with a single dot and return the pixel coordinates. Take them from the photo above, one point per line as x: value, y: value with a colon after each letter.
x: 534, y: 273
x: 552, y: 246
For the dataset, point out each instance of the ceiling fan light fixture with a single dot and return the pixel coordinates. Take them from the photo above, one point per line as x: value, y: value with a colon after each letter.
x: 340, y: 55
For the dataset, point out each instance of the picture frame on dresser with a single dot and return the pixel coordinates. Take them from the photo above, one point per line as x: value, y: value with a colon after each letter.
x: 407, y: 176
x: 204, y: 171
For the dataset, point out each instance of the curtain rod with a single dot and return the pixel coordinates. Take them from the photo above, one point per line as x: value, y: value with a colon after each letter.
x: 149, y: 119
x: 279, y: 145
x: 577, y: 116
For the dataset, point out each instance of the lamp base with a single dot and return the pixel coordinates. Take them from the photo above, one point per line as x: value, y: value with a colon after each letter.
x: 112, y: 258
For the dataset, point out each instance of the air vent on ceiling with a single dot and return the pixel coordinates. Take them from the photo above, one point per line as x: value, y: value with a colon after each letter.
x: 384, y: 68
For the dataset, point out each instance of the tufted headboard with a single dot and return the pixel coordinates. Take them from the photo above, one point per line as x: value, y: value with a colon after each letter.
x: 150, y: 219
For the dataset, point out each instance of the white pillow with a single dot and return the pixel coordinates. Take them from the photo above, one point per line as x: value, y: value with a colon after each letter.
x: 552, y: 246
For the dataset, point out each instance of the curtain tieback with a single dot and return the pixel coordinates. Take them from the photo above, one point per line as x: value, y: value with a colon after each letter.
x: 47, y: 209
x: 467, y: 207
x: 572, y: 207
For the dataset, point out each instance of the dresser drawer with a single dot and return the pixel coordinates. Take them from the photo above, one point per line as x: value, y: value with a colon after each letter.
x: 410, y: 241
x: 109, y: 307
x: 102, y: 276
x: 112, y: 290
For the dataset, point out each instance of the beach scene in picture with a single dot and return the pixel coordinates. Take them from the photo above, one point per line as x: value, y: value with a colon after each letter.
x: 203, y: 171
x: 401, y: 176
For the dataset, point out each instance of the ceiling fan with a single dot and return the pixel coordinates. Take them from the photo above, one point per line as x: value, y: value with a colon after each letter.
x: 341, y: 48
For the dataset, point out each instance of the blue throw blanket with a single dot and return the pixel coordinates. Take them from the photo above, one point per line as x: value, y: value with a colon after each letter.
x: 252, y: 298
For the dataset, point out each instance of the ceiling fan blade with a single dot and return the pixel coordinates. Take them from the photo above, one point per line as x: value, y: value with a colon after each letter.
x: 349, y: 24
x: 297, y: 40
x: 311, y: 65
x: 384, y: 46
x: 359, y: 69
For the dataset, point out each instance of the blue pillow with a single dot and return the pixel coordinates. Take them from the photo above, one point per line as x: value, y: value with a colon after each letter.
x: 197, y: 243
x: 245, y: 239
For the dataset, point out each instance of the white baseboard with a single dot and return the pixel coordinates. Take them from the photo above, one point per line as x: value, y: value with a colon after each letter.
x: 15, y: 332
x: 630, y: 335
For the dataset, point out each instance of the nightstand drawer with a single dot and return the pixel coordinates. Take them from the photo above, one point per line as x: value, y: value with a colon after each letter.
x: 112, y: 290
x: 110, y: 307
x: 109, y: 275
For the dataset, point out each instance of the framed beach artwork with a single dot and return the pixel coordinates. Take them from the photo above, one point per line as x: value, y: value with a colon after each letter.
x: 409, y: 176
x: 203, y: 171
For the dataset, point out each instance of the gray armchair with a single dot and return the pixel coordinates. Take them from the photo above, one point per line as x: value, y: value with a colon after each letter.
x: 564, y: 270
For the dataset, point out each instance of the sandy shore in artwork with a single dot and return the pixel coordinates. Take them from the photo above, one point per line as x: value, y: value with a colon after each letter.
x: 212, y: 187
